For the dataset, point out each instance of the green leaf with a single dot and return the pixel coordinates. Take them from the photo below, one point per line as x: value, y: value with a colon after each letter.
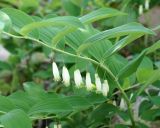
x: 17, y: 119
x: 35, y: 91
x: 141, y: 125
x: 99, y: 49
x: 19, y: 19
x: 5, y: 22
x: 120, y: 44
x: 5, y: 104
x: 145, y: 70
x: 57, y: 21
x: 121, y: 126
x: 71, y: 8
x: 43, y: 74
x: 156, y: 100
x: 153, y: 48
x: 151, y: 114
x: 116, y: 63
x: 65, y: 31
x: 130, y: 28
x: 132, y: 66
x: 75, y: 39
x: 20, y: 104
x: 21, y: 96
x: 154, y: 77
x: 46, y: 35
x: 51, y: 106
x: 4, y: 65
x: 144, y: 106
x: 99, y: 14
x: 1, y: 26
x: 78, y: 102
x: 95, y: 98
x: 103, y: 111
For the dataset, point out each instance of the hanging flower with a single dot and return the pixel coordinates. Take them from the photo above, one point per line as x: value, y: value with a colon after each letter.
x: 57, y: 126
x: 55, y: 72
x: 147, y: 4
x: 78, y: 78
x: 89, y: 84
x: 105, y: 88
x: 65, y: 76
x: 98, y: 83
x: 140, y: 9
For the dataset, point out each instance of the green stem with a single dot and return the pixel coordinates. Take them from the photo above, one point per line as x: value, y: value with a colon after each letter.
x: 93, y: 61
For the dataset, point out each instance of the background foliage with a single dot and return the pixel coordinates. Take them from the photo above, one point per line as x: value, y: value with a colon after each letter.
x: 96, y: 36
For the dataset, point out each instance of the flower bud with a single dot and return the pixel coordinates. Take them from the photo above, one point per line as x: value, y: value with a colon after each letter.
x: 65, y: 76
x: 140, y: 9
x: 57, y: 126
x: 55, y: 72
x: 105, y: 88
x: 78, y: 78
x: 146, y: 4
x: 98, y: 83
x: 89, y: 84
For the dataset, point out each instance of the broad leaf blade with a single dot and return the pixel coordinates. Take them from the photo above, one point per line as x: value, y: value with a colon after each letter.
x: 57, y: 21
x: 130, y: 28
x: 131, y: 67
x: 17, y: 119
x: 5, y: 22
x: 35, y: 91
x: 154, y: 77
x: 51, y: 106
x: 19, y: 19
x: 100, y: 14
x: 145, y: 70
x: 5, y: 104
x: 66, y: 30
x: 153, y: 48
x: 78, y: 102
x: 121, y: 44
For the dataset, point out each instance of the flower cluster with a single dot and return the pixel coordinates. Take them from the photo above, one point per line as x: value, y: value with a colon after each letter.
x: 100, y: 87
x: 146, y: 6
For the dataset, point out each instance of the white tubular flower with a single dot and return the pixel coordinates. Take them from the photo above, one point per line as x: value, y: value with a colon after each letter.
x: 78, y: 78
x: 140, y: 9
x: 89, y: 84
x: 146, y: 4
x: 59, y: 126
x: 98, y: 83
x: 55, y: 72
x: 65, y: 76
x: 105, y: 88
